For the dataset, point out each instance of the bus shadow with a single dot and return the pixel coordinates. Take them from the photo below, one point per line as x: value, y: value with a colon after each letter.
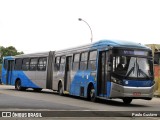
x: 119, y: 103
x: 109, y: 102
x: 112, y: 102
x: 34, y: 91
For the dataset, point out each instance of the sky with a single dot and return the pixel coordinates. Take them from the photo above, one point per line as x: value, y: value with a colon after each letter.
x: 43, y: 25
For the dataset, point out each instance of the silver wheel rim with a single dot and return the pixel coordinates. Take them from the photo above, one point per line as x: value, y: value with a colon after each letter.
x: 92, y: 93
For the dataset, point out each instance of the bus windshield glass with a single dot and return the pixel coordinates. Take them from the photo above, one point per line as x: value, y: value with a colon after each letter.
x: 133, y: 67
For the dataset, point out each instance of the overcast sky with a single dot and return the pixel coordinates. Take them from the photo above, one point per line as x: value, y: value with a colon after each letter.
x: 43, y: 25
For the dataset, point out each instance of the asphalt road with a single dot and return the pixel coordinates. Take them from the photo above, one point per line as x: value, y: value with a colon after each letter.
x: 49, y: 102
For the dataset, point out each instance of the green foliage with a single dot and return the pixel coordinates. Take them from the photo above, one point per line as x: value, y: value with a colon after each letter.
x: 8, y: 51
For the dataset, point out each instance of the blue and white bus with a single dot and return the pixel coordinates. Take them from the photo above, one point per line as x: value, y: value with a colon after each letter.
x: 105, y: 69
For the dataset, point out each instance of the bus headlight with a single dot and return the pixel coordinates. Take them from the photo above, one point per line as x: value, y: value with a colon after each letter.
x: 117, y: 81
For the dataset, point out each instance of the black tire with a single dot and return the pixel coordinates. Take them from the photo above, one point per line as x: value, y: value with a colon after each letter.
x: 18, y: 86
x: 127, y: 100
x: 92, y: 94
x: 60, y: 89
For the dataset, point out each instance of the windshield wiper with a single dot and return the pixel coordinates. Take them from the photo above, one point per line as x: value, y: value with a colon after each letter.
x: 132, y: 69
x: 143, y: 73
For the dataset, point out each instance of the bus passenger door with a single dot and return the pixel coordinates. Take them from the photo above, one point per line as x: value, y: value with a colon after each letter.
x: 102, y: 74
x: 9, y: 72
x: 67, y: 77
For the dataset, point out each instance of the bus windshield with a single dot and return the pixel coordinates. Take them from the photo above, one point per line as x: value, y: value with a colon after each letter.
x: 132, y: 67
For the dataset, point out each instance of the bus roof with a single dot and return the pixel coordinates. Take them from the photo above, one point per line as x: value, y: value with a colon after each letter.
x: 105, y: 43
x: 41, y: 54
x: 120, y: 43
x: 8, y: 57
x: 98, y: 44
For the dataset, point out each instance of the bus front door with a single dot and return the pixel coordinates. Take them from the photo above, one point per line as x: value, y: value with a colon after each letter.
x: 102, y: 74
x: 9, y: 72
x: 67, y: 78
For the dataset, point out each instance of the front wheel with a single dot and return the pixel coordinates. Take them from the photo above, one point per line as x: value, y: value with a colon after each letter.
x: 127, y: 100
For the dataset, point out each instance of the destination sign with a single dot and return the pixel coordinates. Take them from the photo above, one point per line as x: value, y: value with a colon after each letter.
x: 131, y: 52
x: 135, y: 52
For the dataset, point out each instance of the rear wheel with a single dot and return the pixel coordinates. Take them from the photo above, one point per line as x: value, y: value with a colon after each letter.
x: 60, y: 89
x: 18, y: 86
x: 92, y: 94
x: 127, y: 100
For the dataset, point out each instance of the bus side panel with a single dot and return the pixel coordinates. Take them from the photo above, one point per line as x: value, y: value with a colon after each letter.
x: 55, y: 81
x: 4, y: 75
x: 41, y: 78
x: 25, y: 80
x: 90, y: 77
x: 75, y: 83
x: 37, y: 77
x: 80, y: 82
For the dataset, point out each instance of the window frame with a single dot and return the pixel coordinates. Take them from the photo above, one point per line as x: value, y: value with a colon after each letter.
x: 5, y: 64
x: 62, y: 64
x: 30, y: 66
x: 64, y: 57
x: 84, y: 61
x: 92, y: 60
x: 76, y: 62
x: 57, y: 64
x: 26, y: 65
x: 44, y: 66
x: 19, y: 65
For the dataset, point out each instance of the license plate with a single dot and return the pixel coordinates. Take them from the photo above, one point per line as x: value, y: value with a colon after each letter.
x: 136, y: 93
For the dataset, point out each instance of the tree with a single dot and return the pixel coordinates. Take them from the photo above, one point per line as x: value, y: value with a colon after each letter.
x: 8, y: 51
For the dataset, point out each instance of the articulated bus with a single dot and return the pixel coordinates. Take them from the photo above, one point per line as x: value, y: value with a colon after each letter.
x: 105, y: 69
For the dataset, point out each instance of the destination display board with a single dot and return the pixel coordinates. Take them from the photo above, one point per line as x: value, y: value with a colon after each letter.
x: 132, y: 52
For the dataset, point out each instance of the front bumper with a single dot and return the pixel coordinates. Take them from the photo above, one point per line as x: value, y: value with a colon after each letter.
x: 119, y: 91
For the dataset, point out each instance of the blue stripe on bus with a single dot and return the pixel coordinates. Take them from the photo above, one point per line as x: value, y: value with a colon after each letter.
x: 138, y: 83
x: 108, y: 89
x: 25, y: 81
x: 81, y: 79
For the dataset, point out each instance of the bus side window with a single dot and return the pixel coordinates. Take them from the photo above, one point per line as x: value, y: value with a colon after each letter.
x: 62, y: 63
x: 76, y: 62
x: 5, y: 64
x: 25, y: 64
x: 83, y: 62
x: 92, y: 60
x: 42, y: 64
x: 33, y: 64
x: 18, y: 64
x: 56, y: 65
